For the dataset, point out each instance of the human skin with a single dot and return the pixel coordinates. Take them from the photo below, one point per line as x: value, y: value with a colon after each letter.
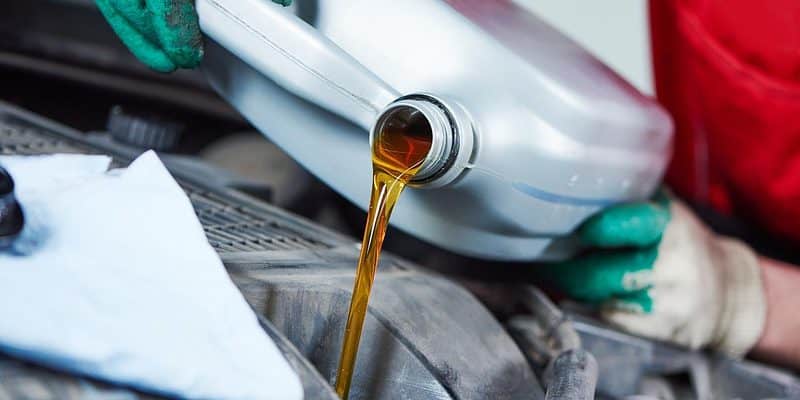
x: 780, y: 341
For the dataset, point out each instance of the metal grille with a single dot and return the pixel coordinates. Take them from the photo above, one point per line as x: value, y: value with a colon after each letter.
x: 229, y: 226
x: 16, y: 138
x: 232, y: 228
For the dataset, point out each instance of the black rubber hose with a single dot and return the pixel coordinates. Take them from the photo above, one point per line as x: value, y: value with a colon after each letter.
x: 572, y: 376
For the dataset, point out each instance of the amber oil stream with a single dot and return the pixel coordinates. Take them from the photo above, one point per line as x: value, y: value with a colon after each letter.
x: 398, y: 152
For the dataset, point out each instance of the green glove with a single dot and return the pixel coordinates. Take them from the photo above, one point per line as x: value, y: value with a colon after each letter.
x: 163, y: 34
x: 624, y: 241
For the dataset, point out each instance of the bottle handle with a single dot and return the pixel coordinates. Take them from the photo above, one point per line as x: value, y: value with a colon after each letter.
x: 296, y: 56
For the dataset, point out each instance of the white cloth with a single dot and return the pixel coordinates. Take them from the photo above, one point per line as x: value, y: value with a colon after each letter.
x: 113, y: 278
x: 707, y: 290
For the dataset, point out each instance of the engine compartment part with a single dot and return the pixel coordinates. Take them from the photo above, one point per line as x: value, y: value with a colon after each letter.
x: 248, y: 155
x: 553, y: 347
x: 11, y: 217
x: 146, y: 131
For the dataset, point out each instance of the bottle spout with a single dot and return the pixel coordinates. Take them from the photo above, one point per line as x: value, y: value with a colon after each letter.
x: 437, y: 126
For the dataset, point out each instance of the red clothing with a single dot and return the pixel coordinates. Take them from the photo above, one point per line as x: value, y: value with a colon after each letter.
x: 729, y: 73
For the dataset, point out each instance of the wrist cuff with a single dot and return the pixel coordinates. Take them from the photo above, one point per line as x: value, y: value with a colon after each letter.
x: 745, y: 309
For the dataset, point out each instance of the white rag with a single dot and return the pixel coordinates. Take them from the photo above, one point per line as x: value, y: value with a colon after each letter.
x: 112, y: 277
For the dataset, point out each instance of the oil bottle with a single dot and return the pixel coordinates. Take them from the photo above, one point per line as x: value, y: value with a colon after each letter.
x: 531, y: 133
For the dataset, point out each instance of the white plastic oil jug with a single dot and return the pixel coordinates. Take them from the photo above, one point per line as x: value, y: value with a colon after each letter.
x: 531, y: 133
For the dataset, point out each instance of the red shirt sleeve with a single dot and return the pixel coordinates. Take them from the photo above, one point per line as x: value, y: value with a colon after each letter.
x: 729, y: 73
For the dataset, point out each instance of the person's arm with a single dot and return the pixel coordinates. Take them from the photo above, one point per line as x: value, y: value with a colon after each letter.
x: 780, y: 341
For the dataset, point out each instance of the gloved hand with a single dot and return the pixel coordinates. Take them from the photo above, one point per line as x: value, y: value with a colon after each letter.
x: 659, y: 272
x: 163, y: 34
